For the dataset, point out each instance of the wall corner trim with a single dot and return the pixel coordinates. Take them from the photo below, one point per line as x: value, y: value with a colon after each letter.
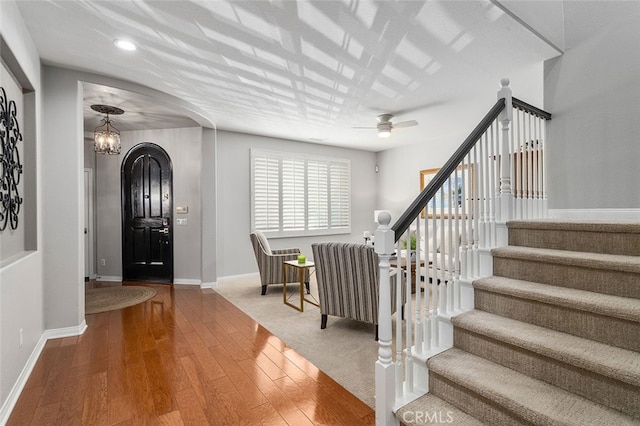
x: 213, y: 284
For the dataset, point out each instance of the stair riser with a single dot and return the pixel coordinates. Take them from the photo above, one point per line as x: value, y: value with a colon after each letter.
x: 482, y: 409
x: 609, y: 330
x: 616, y: 283
x: 592, y: 242
x: 596, y: 387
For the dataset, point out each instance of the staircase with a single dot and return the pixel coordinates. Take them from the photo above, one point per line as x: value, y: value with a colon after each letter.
x: 554, y: 337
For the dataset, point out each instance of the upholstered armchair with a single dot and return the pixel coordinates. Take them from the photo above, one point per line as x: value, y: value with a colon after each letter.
x: 270, y: 262
x: 348, y: 281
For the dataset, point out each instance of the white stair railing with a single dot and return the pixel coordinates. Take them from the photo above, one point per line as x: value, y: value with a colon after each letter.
x: 495, y: 176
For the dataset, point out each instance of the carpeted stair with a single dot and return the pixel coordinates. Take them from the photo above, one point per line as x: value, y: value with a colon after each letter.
x: 554, y: 338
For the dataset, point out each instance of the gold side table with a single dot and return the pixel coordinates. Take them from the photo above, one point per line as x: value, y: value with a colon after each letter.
x: 301, y: 267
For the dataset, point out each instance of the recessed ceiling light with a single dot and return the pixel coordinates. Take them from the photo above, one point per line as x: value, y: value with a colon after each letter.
x: 124, y: 45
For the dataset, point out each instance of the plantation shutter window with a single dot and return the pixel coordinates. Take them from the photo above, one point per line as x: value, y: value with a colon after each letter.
x: 295, y: 195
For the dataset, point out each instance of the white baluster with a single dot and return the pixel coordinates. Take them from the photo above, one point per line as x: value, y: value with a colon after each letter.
x: 539, y: 165
x: 399, y: 344
x: 471, y: 214
x: 419, y: 315
x: 448, y: 266
x: 492, y: 186
x: 481, y: 192
x: 442, y: 304
x: 435, y: 293
x: 408, y: 364
x: 456, y: 246
x: 515, y: 164
x: 427, y: 286
x: 466, y: 198
x: 544, y: 176
x: 476, y: 215
x: 529, y: 167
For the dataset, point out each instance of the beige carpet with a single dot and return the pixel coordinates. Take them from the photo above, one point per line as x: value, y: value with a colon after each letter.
x: 105, y: 299
x: 346, y: 350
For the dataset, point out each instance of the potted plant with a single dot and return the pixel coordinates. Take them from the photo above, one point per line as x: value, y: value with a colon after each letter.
x: 412, y: 245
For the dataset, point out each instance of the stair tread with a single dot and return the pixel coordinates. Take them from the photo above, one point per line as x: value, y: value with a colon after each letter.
x: 610, y: 361
x: 622, y: 226
x: 530, y: 399
x: 430, y: 407
x: 573, y: 258
x: 604, y: 304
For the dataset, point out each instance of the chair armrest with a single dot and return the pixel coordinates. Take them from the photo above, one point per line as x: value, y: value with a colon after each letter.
x: 286, y: 251
x: 283, y: 257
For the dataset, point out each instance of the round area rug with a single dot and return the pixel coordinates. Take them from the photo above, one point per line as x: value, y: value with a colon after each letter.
x: 105, y: 299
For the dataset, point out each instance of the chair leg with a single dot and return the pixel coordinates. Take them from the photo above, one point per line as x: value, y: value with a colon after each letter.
x: 264, y: 290
x: 323, y: 321
x: 307, y: 287
x: 376, y: 332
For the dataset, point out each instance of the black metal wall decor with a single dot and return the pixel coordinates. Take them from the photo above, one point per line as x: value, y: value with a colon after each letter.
x: 10, y: 165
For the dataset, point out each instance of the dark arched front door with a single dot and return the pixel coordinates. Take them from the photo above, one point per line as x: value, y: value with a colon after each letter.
x: 147, y: 203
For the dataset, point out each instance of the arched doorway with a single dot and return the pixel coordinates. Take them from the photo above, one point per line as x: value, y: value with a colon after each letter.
x: 147, y: 206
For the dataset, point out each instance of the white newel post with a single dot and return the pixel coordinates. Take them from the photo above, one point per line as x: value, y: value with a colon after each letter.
x: 506, y: 199
x: 385, y: 368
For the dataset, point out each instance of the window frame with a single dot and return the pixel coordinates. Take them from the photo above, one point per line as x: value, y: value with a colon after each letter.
x: 307, y: 159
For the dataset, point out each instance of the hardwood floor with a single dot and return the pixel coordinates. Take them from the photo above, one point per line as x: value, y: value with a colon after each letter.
x: 187, y: 356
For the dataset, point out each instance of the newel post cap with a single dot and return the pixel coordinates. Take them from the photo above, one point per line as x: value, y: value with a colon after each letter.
x: 385, y: 236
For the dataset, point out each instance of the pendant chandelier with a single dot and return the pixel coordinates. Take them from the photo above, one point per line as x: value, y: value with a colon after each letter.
x: 106, y: 138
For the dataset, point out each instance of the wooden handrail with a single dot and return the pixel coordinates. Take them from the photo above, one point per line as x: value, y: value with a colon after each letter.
x: 523, y: 106
x: 405, y: 220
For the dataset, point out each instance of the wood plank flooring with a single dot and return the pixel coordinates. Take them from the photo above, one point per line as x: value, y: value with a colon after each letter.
x: 185, y: 357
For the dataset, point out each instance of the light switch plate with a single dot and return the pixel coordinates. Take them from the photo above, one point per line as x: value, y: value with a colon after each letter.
x: 181, y: 221
x: 182, y: 209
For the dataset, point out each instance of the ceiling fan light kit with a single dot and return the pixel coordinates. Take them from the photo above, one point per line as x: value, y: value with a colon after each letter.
x: 385, y: 125
x: 384, y: 130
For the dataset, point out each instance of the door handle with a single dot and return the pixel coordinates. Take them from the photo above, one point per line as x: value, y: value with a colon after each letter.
x: 164, y: 230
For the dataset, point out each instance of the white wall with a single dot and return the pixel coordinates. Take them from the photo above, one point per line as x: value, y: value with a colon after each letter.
x: 235, y: 254
x: 184, y: 148
x: 593, y: 92
x: 21, y: 282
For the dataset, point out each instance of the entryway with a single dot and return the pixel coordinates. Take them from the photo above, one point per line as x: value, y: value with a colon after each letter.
x: 147, y: 204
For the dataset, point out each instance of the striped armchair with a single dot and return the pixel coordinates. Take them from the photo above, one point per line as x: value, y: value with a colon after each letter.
x: 270, y: 262
x: 348, y: 281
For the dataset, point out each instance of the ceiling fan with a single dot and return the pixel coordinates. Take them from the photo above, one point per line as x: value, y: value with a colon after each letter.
x: 385, y: 125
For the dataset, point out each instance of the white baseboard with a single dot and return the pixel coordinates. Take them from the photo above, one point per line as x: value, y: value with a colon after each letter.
x: 213, y: 284
x: 18, y: 386
x: 596, y: 214
x: 236, y: 277
x: 186, y: 281
x: 108, y: 278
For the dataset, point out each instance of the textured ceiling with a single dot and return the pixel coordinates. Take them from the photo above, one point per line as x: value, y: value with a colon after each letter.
x: 302, y: 70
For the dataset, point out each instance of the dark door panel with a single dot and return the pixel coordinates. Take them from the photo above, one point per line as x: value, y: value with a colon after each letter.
x: 147, y: 203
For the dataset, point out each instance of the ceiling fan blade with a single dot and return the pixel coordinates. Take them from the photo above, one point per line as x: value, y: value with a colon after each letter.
x: 409, y: 123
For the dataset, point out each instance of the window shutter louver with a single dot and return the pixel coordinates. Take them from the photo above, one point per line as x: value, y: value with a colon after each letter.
x: 299, y: 195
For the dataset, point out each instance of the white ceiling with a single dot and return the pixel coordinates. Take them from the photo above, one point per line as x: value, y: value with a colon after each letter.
x: 301, y: 70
